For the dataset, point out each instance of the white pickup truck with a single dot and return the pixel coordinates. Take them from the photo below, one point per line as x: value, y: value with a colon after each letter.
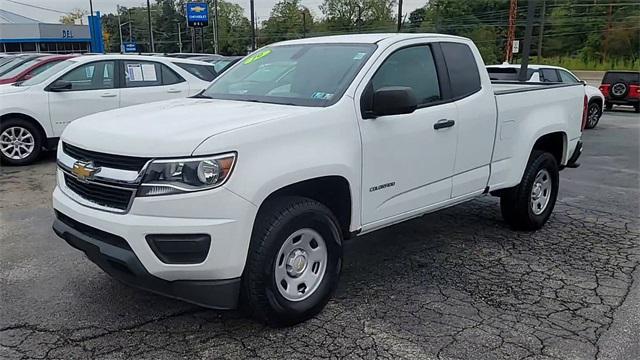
x: 244, y: 194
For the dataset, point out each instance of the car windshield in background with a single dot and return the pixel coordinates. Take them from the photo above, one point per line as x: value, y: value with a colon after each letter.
x: 306, y: 75
x: 47, y: 73
x: 10, y: 65
x: 507, y: 74
x: 202, y: 72
x: 20, y: 68
x: 631, y: 78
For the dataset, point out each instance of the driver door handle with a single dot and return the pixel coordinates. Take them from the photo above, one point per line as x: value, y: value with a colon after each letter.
x: 443, y: 123
x: 108, y: 94
x: 173, y: 90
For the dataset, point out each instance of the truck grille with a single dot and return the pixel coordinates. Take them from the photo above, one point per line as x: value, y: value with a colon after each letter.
x: 107, y: 160
x: 113, y: 197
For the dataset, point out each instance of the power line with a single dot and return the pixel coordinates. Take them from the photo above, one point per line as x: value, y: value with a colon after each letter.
x: 38, y: 7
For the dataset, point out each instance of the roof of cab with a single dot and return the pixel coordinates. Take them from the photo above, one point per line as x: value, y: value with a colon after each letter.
x: 87, y: 58
x: 364, y: 38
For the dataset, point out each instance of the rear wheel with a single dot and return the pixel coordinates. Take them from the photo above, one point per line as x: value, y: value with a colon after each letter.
x: 20, y: 142
x: 294, y: 261
x: 528, y: 206
x: 593, y: 115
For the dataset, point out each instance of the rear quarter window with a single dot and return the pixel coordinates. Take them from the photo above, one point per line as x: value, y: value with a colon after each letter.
x: 507, y: 74
x: 202, y: 72
x: 462, y: 68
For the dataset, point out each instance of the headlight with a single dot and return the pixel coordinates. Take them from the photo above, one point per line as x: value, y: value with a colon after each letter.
x: 176, y: 176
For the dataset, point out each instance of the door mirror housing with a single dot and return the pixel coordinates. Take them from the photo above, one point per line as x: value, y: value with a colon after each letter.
x: 394, y: 100
x: 60, y: 85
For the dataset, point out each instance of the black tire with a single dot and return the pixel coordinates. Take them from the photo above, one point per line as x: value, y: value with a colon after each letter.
x: 637, y: 108
x: 608, y: 106
x: 593, y: 118
x: 516, y: 203
x: 26, y: 126
x: 275, y: 223
x: 619, y: 89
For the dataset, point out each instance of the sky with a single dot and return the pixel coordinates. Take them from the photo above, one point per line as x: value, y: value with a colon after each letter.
x: 263, y: 7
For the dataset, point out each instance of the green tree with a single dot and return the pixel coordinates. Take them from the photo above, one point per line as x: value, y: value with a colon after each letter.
x: 73, y: 16
x: 286, y: 22
x: 359, y: 15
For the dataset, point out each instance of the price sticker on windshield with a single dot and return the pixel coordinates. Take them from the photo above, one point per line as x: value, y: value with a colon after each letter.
x: 257, y: 56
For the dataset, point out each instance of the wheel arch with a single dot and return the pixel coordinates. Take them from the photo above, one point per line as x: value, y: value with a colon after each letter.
x: 333, y: 191
x: 554, y: 143
x: 30, y: 119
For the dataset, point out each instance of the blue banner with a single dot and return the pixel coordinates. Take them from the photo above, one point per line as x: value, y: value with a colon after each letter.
x: 130, y: 47
x: 197, y: 14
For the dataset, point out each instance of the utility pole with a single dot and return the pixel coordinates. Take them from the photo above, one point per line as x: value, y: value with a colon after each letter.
x: 119, y: 28
x: 359, y: 19
x: 153, y: 48
x: 399, y: 15
x: 253, y: 25
x: 129, y: 13
x: 606, y: 36
x: 179, y: 37
x: 216, y: 34
x: 304, y: 23
x: 528, y: 33
x: 202, y: 39
x: 91, y: 7
x: 541, y: 34
x: 511, y: 32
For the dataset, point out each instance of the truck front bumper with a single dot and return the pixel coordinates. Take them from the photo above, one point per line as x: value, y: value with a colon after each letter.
x: 119, y: 261
x: 123, y: 246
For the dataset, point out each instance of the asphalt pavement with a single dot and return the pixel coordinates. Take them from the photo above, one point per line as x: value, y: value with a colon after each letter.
x: 457, y: 284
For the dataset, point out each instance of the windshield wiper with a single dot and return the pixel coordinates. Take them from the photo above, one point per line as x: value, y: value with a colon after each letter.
x: 201, y: 96
x: 18, y: 83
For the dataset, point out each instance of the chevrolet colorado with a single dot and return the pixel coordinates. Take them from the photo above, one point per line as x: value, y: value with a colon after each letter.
x: 243, y: 194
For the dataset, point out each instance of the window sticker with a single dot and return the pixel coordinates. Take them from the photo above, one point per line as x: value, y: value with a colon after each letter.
x: 89, y: 71
x: 359, y: 56
x: 257, y: 56
x: 134, y: 72
x: 149, y: 72
x: 321, y: 95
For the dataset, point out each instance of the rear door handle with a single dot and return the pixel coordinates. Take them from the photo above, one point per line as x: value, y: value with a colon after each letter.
x: 108, y: 94
x: 443, y: 123
x: 173, y: 91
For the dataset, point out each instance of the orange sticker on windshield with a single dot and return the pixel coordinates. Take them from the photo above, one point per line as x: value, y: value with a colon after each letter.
x: 257, y: 56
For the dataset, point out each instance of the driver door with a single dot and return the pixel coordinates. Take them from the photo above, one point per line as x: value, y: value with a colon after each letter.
x: 92, y: 90
x: 408, y: 159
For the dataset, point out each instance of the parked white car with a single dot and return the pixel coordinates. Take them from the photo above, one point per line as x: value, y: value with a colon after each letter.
x: 254, y: 184
x: 553, y: 74
x: 34, y: 113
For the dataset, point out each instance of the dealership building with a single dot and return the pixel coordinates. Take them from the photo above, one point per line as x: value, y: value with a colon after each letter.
x: 22, y: 34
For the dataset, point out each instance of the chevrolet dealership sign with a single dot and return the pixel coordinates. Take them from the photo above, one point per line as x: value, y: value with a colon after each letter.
x: 197, y: 14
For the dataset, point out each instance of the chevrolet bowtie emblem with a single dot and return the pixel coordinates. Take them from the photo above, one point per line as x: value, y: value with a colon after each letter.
x: 198, y: 9
x: 84, y: 169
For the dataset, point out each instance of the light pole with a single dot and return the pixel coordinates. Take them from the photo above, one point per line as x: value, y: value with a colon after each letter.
x: 153, y: 49
x: 91, y: 7
x: 253, y: 25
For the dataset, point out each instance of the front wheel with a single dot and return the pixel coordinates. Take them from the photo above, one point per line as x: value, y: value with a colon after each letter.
x: 528, y: 206
x: 294, y: 261
x: 593, y: 115
x: 20, y: 142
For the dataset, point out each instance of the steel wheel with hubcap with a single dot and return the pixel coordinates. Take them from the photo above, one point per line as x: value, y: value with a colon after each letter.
x: 541, y: 192
x: 528, y: 205
x: 294, y: 261
x: 300, y: 264
x: 20, y: 142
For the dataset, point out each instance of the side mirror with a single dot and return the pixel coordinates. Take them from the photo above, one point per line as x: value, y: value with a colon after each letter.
x: 583, y: 82
x: 394, y: 100
x: 60, y: 85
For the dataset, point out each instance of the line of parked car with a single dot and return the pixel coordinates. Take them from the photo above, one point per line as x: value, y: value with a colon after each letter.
x: 40, y: 94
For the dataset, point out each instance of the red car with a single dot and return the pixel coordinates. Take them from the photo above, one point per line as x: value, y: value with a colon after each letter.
x: 32, y: 67
x: 621, y: 88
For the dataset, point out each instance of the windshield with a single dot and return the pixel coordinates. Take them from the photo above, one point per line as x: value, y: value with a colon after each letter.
x: 507, y: 74
x: 47, y: 73
x: 18, y: 69
x: 306, y: 74
x: 9, y: 65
